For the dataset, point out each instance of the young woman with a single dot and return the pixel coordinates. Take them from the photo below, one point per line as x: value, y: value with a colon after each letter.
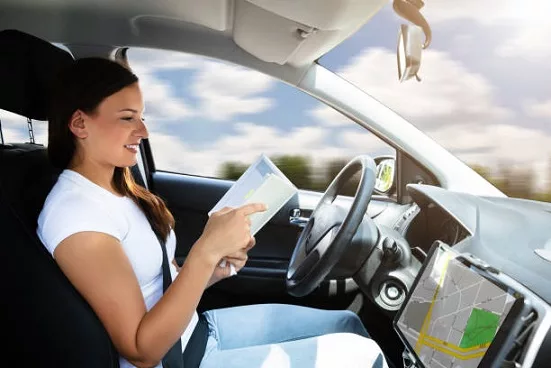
x: 103, y: 230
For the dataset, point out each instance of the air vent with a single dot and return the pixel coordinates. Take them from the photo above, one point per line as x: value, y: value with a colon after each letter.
x: 516, y: 354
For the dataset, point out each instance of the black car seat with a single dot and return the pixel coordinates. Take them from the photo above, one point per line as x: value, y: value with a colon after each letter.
x: 44, y: 321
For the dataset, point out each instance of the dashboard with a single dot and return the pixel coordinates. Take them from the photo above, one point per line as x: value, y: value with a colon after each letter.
x: 456, y: 313
x: 422, y: 226
x: 501, y: 236
x: 431, y: 224
x: 507, y: 239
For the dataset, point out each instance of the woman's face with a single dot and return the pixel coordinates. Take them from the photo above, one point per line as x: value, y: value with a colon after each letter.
x: 112, y: 134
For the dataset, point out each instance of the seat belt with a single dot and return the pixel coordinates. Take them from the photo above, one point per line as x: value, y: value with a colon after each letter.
x: 1, y: 134
x: 174, y: 357
x: 137, y: 174
x: 31, y: 130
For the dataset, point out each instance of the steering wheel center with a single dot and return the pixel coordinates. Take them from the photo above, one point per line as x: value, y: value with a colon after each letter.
x: 327, y: 218
x: 330, y: 229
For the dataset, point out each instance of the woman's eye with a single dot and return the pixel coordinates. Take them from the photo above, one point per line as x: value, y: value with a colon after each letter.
x: 129, y: 118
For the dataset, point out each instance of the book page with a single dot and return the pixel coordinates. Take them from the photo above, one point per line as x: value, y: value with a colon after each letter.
x: 248, y: 183
x: 274, y: 193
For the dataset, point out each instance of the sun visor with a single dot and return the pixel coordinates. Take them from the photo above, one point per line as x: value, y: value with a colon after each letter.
x: 298, y: 32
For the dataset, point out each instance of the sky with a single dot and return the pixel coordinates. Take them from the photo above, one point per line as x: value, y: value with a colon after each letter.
x: 485, y: 95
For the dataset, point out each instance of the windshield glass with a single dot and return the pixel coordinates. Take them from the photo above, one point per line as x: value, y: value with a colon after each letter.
x: 484, y: 93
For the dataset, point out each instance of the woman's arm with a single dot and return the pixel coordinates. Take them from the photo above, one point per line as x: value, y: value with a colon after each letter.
x: 97, y: 266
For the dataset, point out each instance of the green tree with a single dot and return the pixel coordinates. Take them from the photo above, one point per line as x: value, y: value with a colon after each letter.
x: 482, y: 171
x: 333, y: 168
x: 297, y: 168
x: 232, y: 170
x: 516, y: 183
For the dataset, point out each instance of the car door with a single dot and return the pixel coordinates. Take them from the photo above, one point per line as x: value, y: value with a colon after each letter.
x: 205, y: 131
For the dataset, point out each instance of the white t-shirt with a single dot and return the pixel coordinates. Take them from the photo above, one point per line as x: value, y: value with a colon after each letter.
x: 76, y: 204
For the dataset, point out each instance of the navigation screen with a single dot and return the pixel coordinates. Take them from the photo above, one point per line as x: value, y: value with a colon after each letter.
x: 453, y: 313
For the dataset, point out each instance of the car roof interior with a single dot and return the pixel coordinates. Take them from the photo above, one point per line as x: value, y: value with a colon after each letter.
x: 279, y: 38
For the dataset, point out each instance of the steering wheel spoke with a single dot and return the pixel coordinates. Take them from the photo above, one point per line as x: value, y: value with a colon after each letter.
x: 302, y: 265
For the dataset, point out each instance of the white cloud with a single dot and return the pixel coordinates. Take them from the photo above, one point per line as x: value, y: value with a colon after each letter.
x: 485, y: 12
x: 150, y: 60
x: 14, y: 128
x: 497, y: 144
x: 530, y: 42
x: 250, y: 140
x: 328, y: 116
x: 12, y: 135
x: 456, y: 107
x: 226, y: 90
x: 160, y: 100
x: 538, y: 109
x: 245, y: 145
x: 363, y: 142
x: 448, y: 94
x: 223, y: 90
x: 526, y: 20
x: 9, y: 119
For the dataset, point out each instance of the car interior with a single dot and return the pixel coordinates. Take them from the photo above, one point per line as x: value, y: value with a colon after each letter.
x: 54, y: 313
x: 46, y: 321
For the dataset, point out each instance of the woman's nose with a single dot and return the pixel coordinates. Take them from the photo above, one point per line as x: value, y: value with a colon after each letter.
x: 142, y: 131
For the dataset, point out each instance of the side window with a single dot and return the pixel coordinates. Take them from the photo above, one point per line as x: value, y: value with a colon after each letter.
x: 15, y: 129
x: 211, y: 118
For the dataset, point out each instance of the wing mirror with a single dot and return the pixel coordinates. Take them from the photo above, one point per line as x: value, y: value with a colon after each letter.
x: 412, y: 38
x: 385, y: 175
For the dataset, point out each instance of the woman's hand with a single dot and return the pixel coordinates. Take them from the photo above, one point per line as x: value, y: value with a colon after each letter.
x: 227, y: 234
x: 238, y: 260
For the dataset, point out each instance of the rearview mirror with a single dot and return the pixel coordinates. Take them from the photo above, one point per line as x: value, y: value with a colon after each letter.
x: 384, y: 181
x: 410, y: 48
x: 412, y: 39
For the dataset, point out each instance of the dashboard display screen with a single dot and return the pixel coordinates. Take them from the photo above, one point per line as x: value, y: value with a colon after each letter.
x: 453, y: 312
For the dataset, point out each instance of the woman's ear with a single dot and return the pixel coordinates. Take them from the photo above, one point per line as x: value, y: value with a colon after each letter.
x: 77, y: 125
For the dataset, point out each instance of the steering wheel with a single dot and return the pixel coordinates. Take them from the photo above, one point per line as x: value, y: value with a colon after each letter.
x: 330, y: 229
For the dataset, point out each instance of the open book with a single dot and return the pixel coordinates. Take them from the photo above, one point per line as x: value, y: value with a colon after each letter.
x: 262, y: 182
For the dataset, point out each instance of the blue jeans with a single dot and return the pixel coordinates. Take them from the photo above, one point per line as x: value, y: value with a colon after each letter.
x: 278, y: 335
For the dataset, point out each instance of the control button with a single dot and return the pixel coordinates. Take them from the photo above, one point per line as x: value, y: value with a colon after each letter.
x: 392, y: 292
x: 389, y: 246
x: 391, y: 251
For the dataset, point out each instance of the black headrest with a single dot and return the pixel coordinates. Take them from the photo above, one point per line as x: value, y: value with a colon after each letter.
x: 28, y: 66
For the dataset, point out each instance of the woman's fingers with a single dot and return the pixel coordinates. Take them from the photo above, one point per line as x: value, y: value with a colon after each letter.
x: 237, y: 262
x: 251, y: 244
x: 222, y: 211
x: 251, y: 208
x: 229, y: 230
x: 241, y: 255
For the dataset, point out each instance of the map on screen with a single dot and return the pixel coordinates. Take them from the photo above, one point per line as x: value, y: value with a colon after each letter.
x: 453, y: 313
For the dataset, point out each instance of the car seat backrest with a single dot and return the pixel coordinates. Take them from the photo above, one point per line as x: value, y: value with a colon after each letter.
x: 43, y: 319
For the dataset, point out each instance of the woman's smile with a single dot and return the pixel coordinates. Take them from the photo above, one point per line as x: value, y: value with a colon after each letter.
x: 132, y: 147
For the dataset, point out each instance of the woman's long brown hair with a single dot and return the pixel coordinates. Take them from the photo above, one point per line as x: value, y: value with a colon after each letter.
x: 83, y: 86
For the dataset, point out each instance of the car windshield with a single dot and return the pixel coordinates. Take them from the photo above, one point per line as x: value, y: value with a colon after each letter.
x: 484, y: 93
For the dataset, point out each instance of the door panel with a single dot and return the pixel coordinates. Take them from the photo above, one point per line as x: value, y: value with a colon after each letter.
x: 189, y: 198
